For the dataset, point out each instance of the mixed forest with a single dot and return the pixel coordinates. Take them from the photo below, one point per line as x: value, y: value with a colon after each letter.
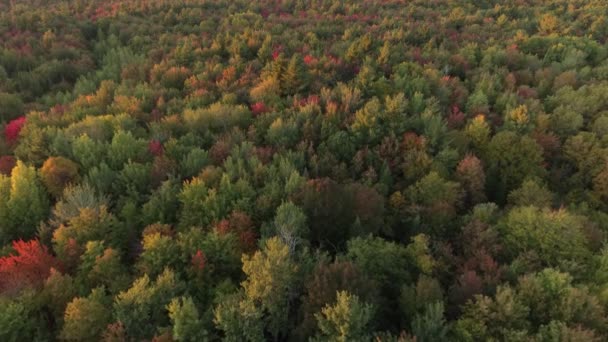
x: 290, y: 170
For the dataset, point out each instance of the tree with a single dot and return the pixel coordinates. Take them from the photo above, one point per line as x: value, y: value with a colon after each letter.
x: 557, y: 236
x: 16, y: 322
x: 503, y: 317
x: 328, y: 208
x: 294, y: 79
x: 531, y: 194
x: 125, y: 147
x: 415, y: 298
x: 28, y: 267
x: 13, y: 129
x: 510, y: 160
x: 346, y: 320
x: 435, y: 201
x: 267, y: 293
x: 239, y: 319
x: 59, y: 289
x: 478, y: 131
x: 551, y: 296
x: 376, y: 258
x: 57, y: 173
x: 271, y: 281
x: 290, y: 225
x: 326, y: 280
x: 141, y: 308
x: 86, y: 318
x: 548, y: 24
x: 471, y: 176
x: 91, y: 224
x: 11, y: 106
x: 100, y: 266
x: 26, y: 204
x: 518, y: 119
x: 159, y: 251
x: 187, y: 325
x: 74, y: 199
x: 430, y: 326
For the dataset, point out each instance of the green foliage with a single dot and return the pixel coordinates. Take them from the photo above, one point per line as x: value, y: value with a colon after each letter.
x: 346, y: 320
x: 271, y: 278
x: 142, y: 307
x: 430, y: 326
x: 290, y: 225
x: 556, y: 236
x: 187, y: 325
x: 11, y: 106
x: 510, y: 160
x: 428, y: 170
x: 24, y: 202
x: 86, y: 318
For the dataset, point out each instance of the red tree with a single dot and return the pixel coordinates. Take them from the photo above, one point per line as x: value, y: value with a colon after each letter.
x: 199, y: 261
x: 155, y: 147
x: 29, y: 267
x: 12, y: 129
x: 258, y: 108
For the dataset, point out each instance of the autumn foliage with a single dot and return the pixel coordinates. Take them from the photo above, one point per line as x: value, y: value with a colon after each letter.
x: 12, y: 130
x: 28, y: 266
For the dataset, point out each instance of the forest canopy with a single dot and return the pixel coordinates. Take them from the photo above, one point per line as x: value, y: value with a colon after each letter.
x: 355, y: 170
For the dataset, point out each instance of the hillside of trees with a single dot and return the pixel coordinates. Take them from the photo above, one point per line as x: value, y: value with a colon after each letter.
x: 290, y: 170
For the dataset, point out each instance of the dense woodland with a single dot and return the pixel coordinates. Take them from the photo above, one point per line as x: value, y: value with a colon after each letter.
x: 290, y: 170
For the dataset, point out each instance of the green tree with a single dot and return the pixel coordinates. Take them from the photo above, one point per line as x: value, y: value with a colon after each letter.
x: 267, y: 295
x: 86, y: 318
x: 510, y: 160
x: 431, y: 325
x: 347, y: 320
x: 531, y: 194
x: 185, y: 320
x: 290, y: 225
x: 271, y: 282
x: 295, y: 78
x: 141, y: 308
x: 11, y: 106
x: 26, y: 205
x: 557, y: 236
x: 435, y: 201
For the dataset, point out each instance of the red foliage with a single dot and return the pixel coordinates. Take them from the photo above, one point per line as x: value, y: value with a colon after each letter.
x: 7, y: 163
x: 456, y: 118
x: 242, y: 226
x: 155, y: 147
x: 308, y: 60
x: 276, y: 52
x: 12, y: 130
x: 199, y: 261
x: 29, y: 267
x: 258, y: 108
